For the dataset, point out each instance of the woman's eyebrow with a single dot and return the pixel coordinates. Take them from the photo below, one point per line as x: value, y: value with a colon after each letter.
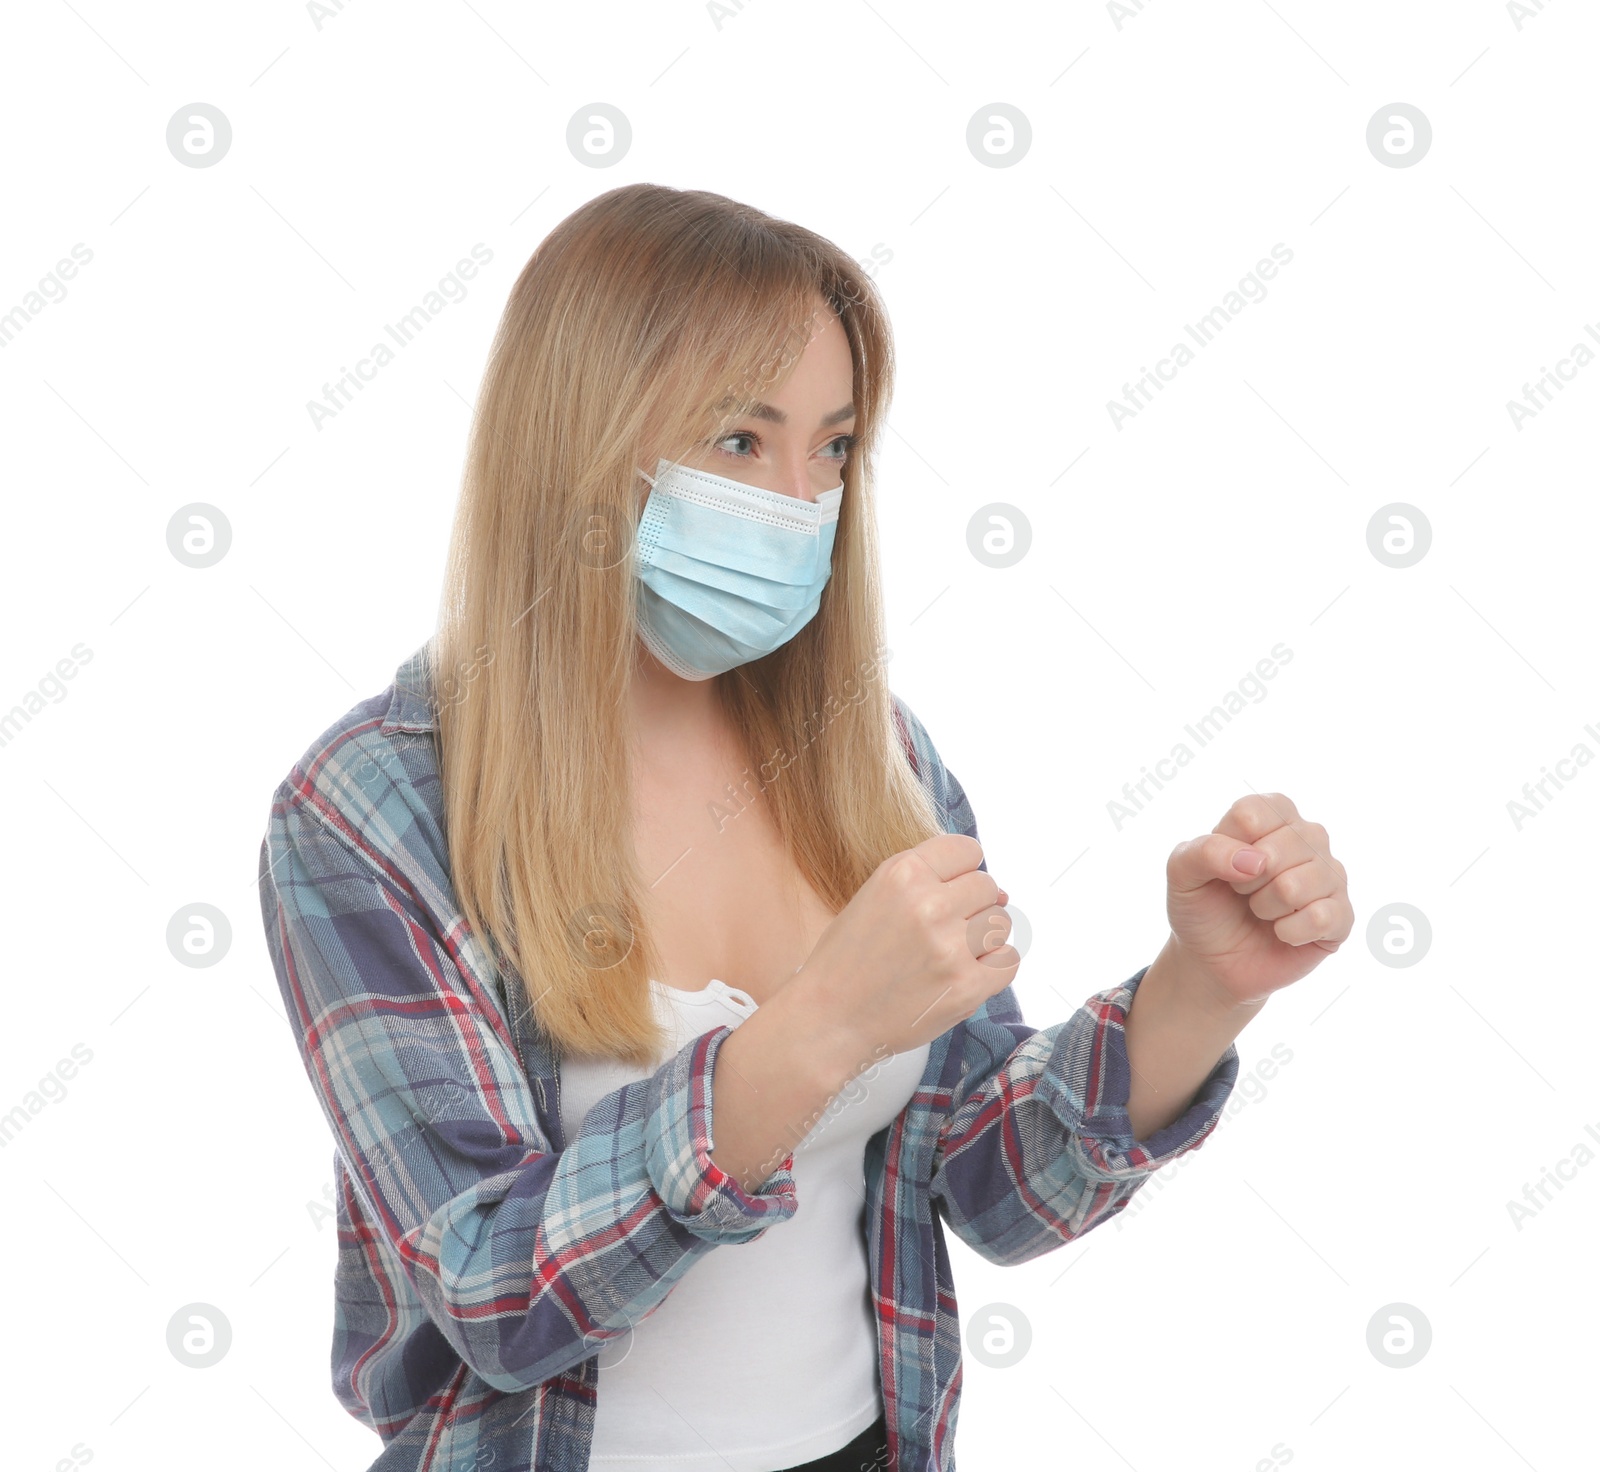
x: 777, y: 416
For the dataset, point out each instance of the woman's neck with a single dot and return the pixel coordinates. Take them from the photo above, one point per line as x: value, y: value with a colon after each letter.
x: 668, y: 708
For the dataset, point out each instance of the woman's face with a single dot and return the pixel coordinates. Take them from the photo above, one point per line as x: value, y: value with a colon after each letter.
x: 796, y: 441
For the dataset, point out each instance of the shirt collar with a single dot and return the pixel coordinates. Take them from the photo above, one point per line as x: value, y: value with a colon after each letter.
x: 411, y: 704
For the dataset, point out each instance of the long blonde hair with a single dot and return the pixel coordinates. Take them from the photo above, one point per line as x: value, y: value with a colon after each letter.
x: 641, y: 326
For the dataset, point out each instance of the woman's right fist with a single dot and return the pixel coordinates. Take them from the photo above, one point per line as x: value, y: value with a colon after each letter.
x: 920, y: 947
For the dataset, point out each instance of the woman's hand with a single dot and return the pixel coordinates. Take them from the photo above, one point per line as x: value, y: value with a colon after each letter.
x: 1249, y: 934
x: 920, y: 947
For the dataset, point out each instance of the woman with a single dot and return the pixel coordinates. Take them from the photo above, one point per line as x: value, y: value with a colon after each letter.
x: 638, y: 944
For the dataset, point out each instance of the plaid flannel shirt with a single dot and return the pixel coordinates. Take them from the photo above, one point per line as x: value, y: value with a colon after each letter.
x: 484, y: 1258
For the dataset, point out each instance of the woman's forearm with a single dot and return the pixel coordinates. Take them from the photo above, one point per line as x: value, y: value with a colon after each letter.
x: 777, y: 1071
x: 1176, y: 1030
x: 775, y: 1075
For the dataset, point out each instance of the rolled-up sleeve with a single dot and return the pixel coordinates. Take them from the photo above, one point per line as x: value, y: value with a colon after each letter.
x: 525, y: 1257
x: 694, y: 1189
x: 1037, y: 1148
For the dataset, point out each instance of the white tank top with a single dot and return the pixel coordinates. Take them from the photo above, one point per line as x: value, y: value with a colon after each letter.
x: 765, y: 1353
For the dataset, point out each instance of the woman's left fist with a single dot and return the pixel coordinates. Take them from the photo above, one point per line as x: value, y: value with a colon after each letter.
x: 1259, y: 901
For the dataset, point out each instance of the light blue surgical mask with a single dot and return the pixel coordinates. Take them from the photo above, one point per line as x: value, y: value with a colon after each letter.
x: 727, y: 572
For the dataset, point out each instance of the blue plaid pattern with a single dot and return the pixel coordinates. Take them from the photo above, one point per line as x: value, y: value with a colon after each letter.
x: 484, y: 1259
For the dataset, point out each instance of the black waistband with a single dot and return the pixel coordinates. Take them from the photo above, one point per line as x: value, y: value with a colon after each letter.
x: 868, y: 1452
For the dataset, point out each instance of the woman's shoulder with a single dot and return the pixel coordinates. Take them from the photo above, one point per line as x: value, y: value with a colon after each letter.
x: 375, y: 767
x: 940, y: 782
x: 914, y: 739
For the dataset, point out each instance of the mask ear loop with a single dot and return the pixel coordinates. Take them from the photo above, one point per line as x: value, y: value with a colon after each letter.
x: 640, y: 509
x: 671, y: 465
x: 639, y: 505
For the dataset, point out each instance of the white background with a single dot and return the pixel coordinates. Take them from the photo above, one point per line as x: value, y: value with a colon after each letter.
x: 1226, y: 1313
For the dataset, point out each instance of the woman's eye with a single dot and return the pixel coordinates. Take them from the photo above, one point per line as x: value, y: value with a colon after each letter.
x: 839, y: 448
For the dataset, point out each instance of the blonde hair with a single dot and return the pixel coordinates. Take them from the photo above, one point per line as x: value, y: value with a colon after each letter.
x: 641, y: 326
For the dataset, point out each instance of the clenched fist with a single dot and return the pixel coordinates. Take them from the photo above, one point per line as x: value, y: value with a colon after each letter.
x: 920, y: 947
x: 1281, y: 906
